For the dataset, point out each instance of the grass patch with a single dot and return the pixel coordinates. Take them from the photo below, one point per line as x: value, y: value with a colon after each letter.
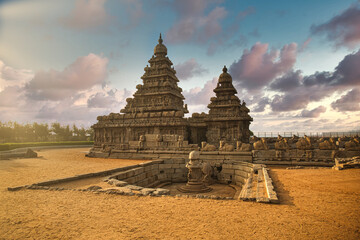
x: 11, y: 146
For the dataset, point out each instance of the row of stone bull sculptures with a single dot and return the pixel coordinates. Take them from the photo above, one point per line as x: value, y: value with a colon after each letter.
x: 281, y: 143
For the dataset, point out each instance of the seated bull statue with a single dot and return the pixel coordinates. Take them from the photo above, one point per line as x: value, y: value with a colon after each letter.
x: 207, y: 171
x: 261, y: 144
x: 207, y: 147
x: 353, y: 144
x: 304, y: 143
x: 328, y: 144
x: 226, y: 147
x: 281, y: 143
x: 243, y: 147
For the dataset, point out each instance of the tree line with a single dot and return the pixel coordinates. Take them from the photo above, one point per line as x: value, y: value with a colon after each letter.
x: 43, y: 132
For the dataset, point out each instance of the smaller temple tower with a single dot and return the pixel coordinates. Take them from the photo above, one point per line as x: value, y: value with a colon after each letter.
x: 228, y: 118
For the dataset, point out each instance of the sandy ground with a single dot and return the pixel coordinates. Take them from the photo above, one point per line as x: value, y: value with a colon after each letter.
x: 315, y: 204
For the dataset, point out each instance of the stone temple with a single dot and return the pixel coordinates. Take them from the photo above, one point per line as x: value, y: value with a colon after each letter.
x: 154, y: 117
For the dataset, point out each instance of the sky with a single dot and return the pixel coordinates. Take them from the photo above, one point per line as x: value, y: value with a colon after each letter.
x: 295, y: 63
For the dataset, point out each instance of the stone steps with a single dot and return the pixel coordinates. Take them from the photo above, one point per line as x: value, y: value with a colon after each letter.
x: 259, y: 188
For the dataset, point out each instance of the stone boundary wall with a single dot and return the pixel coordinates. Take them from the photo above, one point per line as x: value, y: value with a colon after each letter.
x: 162, y: 154
x: 78, y: 177
x: 292, y: 157
x: 236, y: 172
x: 296, y: 157
x: 153, y: 173
x: 17, y: 153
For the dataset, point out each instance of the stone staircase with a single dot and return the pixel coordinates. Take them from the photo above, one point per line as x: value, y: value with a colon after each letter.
x: 258, y: 187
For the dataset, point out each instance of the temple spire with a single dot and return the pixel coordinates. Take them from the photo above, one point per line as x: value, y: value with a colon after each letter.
x: 224, y: 69
x: 160, y: 39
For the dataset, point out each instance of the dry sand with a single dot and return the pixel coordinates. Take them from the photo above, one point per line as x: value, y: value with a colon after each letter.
x: 315, y: 204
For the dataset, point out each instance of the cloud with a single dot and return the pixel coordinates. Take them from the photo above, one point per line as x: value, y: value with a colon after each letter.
x: 260, y: 106
x: 343, y: 29
x: 87, y: 14
x: 108, y: 100
x: 9, y: 96
x: 134, y: 11
x: 297, y: 91
x: 193, y: 23
x: 8, y: 73
x: 257, y: 67
x: 313, y: 113
x: 304, y: 45
x: 287, y: 82
x: 189, y: 69
x: 54, y: 85
x: 199, y: 95
x: 348, y: 102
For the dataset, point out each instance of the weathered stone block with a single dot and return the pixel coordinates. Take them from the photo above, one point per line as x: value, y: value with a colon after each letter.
x: 227, y: 166
x: 181, y: 170
x: 178, y: 175
x: 239, y: 179
x: 169, y: 170
x: 138, y: 171
x: 228, y: 171
x: 179, y: 161
x: 174, y: 165
x: 161, y: 176
x: 168, y: 161
x: 130, y: 180
x: 140, y: 177
x: 155, y: 166
x: 130, y: 173
x: 164, y: 166
x: 121, y: 176
x: 241, y: 173
x: 148, y: 168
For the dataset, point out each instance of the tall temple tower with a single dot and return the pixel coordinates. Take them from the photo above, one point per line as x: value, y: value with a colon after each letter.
x: 228, y: 118
x: 155, y: 114
x: 156, y: 108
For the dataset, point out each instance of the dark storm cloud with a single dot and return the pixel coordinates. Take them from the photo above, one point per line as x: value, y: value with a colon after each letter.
x: 258, y: 66
x: 287, y: 82
x: 298, y: 92
x: 343, y: 29
x: 314, y: 113
x: 348, y: 102
x: 189, y: 69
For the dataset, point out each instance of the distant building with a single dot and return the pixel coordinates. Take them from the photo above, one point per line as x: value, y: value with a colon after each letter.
x: 157, y: 109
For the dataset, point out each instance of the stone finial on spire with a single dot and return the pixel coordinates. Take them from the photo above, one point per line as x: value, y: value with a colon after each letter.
x: 224, y: 69
x: 160, y: 39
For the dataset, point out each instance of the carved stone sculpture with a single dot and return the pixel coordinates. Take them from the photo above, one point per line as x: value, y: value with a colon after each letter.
x: 195, y: 182
x: 225, y: 147
x: 353, y: 144
x: 261, y: 144
x: 142, y: 140
x: 328, y: 144
x: 304, y: 143
x: 208, y: 148
x: 207, y: 171
x: 281, y: 143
